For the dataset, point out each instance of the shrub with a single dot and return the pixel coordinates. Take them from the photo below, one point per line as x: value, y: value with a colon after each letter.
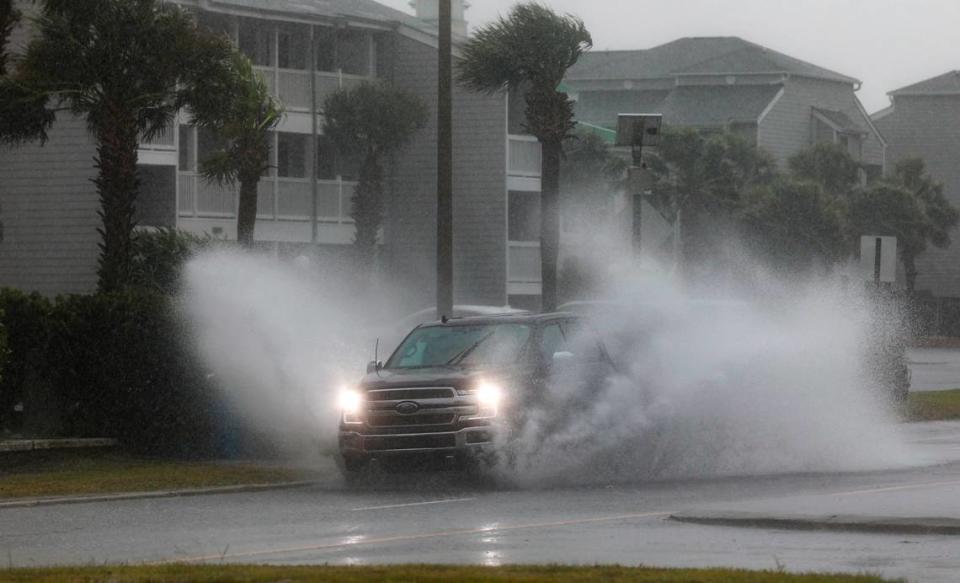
x: 26, y: 377
x: 159, y: 254
x: 124, y: 370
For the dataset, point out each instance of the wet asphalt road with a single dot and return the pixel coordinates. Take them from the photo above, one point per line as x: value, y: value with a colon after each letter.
x: 446, y: 519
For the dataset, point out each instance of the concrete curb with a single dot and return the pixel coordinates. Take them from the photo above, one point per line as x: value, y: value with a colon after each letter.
x: 52, y: 501
x: 15, y: 445
x: 833, y: 522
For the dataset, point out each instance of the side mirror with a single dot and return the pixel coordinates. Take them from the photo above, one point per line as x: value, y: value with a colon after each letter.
x: 374, y: 366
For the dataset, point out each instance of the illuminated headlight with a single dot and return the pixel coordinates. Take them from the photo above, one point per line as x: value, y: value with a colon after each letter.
x: 488, y: 396
x: 351, y: 404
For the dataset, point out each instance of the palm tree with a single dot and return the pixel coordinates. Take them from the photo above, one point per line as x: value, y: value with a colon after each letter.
x: 9, y: 17
x: 119, y: 64
x: 237, y: 107
x: 531, y: 49
x: 372, y: 120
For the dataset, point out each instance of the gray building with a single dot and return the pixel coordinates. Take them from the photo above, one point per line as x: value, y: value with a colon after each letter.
x: 778, y: 102
x: 923, y: 121
x: 49, y: 207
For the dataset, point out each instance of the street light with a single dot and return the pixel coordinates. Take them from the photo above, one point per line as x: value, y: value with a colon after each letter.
x: 634, y: 131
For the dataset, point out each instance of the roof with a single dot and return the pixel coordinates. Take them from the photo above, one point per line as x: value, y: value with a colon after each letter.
x: 707, y: 105
x: 696, y: 56
x: 362, y: 9
x: 946, y: 84
x: 692, y: 105
x: 839, y: 121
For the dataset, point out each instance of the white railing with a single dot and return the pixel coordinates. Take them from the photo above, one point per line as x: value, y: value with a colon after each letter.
x: 524, y: 156
x: 523, y: 262
x: 278, y: 199
x: 166, y: 140
x: 292, y: 86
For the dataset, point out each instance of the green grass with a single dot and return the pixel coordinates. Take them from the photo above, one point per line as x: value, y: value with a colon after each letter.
x: 933, y: 406
x: 77, y: 472
x: 415, y: 574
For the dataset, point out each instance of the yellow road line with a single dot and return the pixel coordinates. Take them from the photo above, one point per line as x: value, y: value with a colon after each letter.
x: 407, y: 538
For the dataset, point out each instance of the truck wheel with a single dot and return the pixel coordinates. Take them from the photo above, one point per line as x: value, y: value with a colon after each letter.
x: 352, y: 468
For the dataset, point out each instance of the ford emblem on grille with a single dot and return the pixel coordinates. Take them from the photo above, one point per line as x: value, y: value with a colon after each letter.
x: 407, y: 408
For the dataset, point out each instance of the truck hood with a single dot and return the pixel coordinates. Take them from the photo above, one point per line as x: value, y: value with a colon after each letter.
x: 445, y: 376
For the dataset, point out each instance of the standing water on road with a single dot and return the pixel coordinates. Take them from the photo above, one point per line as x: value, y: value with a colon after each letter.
x: 704, y: 387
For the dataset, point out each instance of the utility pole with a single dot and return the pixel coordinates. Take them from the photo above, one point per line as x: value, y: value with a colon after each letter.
x: 445, y: 165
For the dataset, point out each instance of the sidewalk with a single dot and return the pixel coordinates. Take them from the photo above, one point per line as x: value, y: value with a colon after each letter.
x: 14, y: 445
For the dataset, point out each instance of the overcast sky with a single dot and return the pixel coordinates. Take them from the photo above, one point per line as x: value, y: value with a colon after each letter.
x: 887, y: 44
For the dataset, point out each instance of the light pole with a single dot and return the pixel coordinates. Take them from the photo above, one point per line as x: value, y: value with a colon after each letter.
x: 445, y: 166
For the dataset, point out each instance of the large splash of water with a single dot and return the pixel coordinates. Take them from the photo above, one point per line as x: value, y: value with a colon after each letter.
x: 704, y: 387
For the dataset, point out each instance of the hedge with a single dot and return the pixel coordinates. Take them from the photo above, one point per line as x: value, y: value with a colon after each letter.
x: 117, y: 365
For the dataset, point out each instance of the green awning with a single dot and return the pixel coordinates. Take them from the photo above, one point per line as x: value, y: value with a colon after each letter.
x: 606, y: 134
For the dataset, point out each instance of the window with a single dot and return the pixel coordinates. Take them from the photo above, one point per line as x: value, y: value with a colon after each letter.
x: 353, y: 52
x: 292, y: 155
x: 523, y: 220
x: 551, y: 341
x: 256, y: 41
x: 325, y: 40
x: 188, y: 149
x: 207, y: 144
x: 326, y: 159
x: 293, y: 47
x: 483, y: 344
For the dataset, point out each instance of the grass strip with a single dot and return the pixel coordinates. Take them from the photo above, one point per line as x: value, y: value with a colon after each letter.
x: 933, y: 406
x: 65, y: 473
x: 415, y: 574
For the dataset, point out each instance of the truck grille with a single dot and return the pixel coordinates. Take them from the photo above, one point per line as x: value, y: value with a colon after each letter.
x: 437, y: 409
x: 405, y: 420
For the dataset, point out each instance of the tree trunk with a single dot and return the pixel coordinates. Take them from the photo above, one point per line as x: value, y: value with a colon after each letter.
x: 550, y: 223
x: 910, y: 270
x: 117, y: 184
x: 367, y: 209
x: 247, y: 211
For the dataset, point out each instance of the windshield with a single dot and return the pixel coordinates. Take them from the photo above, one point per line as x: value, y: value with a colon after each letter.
x: 479, y: 345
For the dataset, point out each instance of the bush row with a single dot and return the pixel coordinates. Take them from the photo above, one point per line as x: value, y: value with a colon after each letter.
x: 116, y: 365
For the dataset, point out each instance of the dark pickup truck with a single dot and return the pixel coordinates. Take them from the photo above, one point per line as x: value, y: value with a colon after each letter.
x: 454, y: 391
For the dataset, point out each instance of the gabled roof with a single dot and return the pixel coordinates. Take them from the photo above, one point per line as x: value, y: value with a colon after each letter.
x: 711, y: 105
x: 362, y: 9
x: 695, y: 56
x: 692, y: 105
x: 839, y: 121
x: 946, y: 84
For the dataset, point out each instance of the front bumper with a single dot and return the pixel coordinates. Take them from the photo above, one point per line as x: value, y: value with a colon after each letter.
x: 467, y: 440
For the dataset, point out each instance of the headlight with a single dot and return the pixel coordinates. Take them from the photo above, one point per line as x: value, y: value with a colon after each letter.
x: 351, y: 404
x: 488, y: 397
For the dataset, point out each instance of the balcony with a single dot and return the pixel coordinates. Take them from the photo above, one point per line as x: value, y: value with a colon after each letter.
x: 523, y: 262
x: 278, y: 199
x: 292, y: 86
x: 523, y: 156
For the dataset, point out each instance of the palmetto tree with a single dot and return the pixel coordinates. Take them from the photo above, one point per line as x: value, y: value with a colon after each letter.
x: 531, y: 49
x: 120, y: 65
x: 236, y: 105
x: 371, y: 120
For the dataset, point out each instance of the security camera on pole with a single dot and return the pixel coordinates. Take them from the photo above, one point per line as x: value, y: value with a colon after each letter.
x: 636, y: 130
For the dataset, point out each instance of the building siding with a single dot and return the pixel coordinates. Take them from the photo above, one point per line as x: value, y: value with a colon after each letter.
x: 479, y: 197
x: 786, y: 128
x: 928, y: 127
x: 48, y: 206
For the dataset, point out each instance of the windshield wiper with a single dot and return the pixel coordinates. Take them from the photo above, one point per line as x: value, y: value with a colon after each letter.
x: 466, y: 351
